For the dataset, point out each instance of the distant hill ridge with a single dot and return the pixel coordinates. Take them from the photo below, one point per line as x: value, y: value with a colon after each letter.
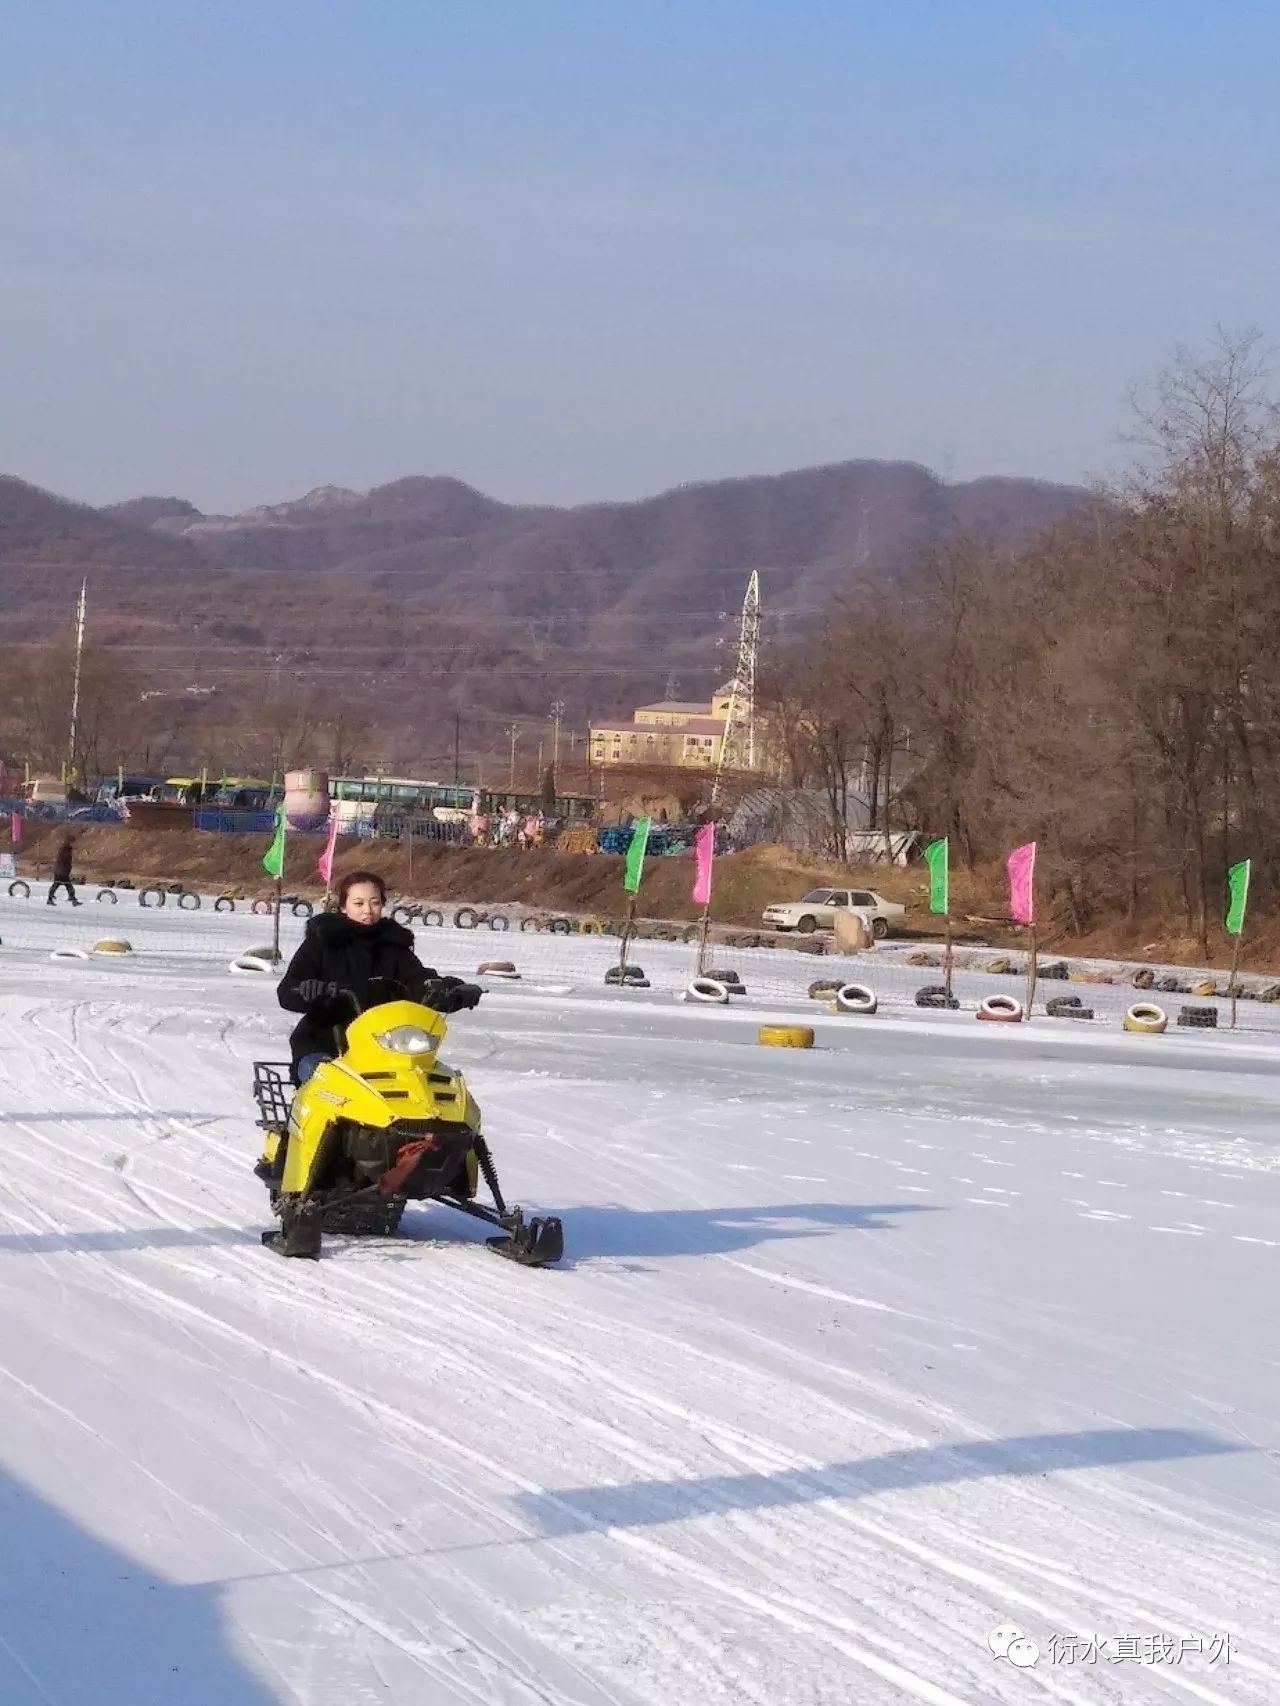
x: 597, y: 602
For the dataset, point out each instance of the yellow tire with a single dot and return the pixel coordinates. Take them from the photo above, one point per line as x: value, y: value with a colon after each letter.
x: 1206, y: 986
x: 1146, y: 1019
x: 785, y: 1036
x: 112, y: 945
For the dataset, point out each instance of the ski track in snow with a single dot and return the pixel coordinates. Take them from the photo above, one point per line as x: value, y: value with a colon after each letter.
x: 767, y: 1436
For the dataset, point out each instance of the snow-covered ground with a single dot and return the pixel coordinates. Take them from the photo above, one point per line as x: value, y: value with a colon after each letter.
x: 857, y: 1354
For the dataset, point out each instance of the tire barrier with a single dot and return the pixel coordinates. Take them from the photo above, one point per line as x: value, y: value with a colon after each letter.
x: 108, y: 894
x: 303, y: 909
x: 706, y: 989
x: 935, y: 995
x: 1146, y: 1019
x: 559, y: 926
x: 432, y: 915
x: 1144, y: 978
x: 1055, y: 972
x: 1001, y: 1010
x: 19, y: 890
x: 730, y: 978
x: 252, y: 963
x: 1171, y: 986
x: 785, y: 1036
x: 499, y: 921
x: 855, y: 998
x: 189, y: 902
x: 1067, y: 1007
x: 160, y: 895
x: 527, y: 924
x: 591, y: 927
x: 1205, y: 986
x: 261, y: 909
x: 113, y: 945
x: 465, y: 918
x: 404, y: 914
x: 1199, y: 1018
x: 69, y: 954
x: 824, y: 988
x: 626, y: 977
x: 1000, y: 965
x: 224, y: 903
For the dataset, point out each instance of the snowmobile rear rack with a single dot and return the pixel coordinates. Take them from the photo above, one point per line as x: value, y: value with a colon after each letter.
x: 273, y: 1092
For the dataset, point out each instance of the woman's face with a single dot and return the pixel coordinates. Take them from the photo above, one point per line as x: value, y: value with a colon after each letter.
x: 363, y: 904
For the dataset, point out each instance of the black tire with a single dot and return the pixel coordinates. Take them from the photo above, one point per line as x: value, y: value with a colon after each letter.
x: 109, y: 894
x: 1060, y: 1004
x: 807, y: 925
x: 18, y: 890
x: 499, y: 921
x: 302, y: 909
x: 626, y: 974
x: 404, y: 914
x: 189, y: 902
x: 729, y: 977
x: 935, y: 995
x: 432, y: 915
x: 1199, y: 1018
x: 465, y: 918
x: 160, y: 895
x: 559, y: 927
x: 1055, y: 972
x: 224, y: 903
x: 879, y: 928
x: 824, y: 986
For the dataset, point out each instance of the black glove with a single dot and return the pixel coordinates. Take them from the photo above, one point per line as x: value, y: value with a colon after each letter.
x: 317, y: 993
x: 451, y: 995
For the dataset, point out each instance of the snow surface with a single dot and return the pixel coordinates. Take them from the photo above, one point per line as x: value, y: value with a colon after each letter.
x: 856, y: 1354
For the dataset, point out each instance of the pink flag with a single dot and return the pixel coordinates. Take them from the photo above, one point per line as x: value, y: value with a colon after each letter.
x: 704, y: 852
x: 1021, y: 866
x: 325, y: 863
x: 15, y: 827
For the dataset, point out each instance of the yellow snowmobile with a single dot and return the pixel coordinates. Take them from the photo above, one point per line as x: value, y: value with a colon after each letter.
x: 384, y: 1124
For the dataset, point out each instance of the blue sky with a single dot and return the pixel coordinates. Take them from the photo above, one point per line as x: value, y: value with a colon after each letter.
x: 568, y: 251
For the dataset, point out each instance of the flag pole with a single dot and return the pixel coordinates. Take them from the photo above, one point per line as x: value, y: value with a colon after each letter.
x: 1032, y: 969
x: 1235, y: 966
x: 947, y: 957
x: 628, y: 928
x: 275, y: 939
x: 703, y: 928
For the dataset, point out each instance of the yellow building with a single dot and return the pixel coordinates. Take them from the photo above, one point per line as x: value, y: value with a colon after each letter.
x: 687, y: 734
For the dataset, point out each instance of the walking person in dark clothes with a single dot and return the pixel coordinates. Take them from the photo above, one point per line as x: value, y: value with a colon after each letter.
x: 62, y: 872
x: 353, y: 950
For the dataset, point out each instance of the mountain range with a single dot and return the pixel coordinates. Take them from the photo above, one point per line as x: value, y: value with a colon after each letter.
x: 428, y: 592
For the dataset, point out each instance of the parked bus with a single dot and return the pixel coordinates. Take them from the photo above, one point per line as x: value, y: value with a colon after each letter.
x: 358, y: 797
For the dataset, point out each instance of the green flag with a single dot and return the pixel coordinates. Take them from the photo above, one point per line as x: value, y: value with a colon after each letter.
x: 635, y: 855
x: 1238, y: 890
x: 273, y: 862
x: 936, y: 857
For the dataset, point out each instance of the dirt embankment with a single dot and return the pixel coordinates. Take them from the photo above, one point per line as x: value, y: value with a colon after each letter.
x: 745, y: 883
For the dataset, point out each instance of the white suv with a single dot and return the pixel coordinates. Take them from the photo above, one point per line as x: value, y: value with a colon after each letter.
x: 817, y: 911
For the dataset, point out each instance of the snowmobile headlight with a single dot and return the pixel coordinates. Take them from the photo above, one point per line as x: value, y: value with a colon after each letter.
x: 406, y: 1039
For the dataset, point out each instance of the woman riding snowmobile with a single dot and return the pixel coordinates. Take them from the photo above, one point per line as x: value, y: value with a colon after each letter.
x: 346, y: 953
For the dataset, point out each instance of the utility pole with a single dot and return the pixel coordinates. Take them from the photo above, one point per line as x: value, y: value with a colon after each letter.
x: 514, y: 733
x: 557, y: 712
x: 457, y: 747
x: 75, y: 686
